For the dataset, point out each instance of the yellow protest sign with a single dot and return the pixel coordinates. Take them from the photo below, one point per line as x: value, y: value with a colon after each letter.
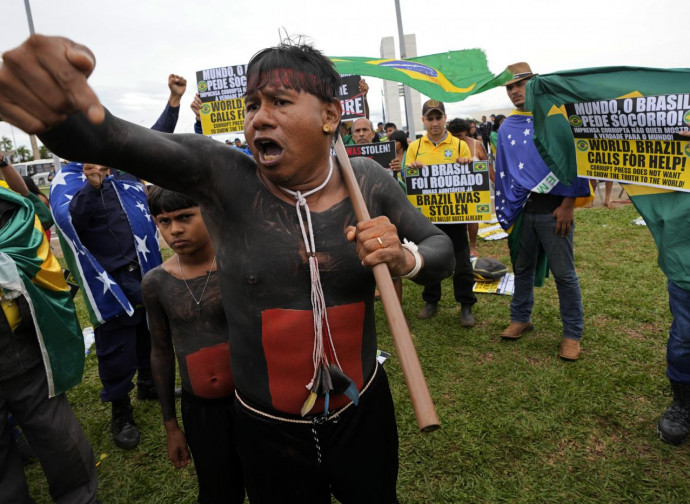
x: 504, y: 285
x: 451, y: 192
x: 633, y: 139
x: 222, y: 90
x: 225, y: 116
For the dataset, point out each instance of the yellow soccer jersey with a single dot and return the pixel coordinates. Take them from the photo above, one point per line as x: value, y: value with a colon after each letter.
x: 447, y: 151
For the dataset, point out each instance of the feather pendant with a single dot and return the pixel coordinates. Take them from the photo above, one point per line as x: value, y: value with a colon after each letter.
x: 342, y: 384
x: 308, y: 404
x: 320, y: 382
x: 339, y: 379
x: 352, y: 393
x: 326, y: 401
x: 327, y: 379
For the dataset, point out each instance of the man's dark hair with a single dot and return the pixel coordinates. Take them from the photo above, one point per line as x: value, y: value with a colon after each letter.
x: 399, y: 136
x: 389, y: 125
x: 299, y: 67
x: 498, y: 121
x: 164, y: 200
x: 458, y: 126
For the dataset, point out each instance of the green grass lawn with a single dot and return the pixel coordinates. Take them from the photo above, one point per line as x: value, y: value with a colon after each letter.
x: 518, y: 424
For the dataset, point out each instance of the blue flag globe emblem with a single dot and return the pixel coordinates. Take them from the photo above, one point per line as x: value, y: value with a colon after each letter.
x: 410, y: 66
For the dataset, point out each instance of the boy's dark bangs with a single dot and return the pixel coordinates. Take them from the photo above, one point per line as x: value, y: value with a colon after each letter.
x: 164, y: 200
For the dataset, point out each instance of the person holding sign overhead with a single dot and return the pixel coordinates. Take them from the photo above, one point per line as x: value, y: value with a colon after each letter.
x: 437, y: 146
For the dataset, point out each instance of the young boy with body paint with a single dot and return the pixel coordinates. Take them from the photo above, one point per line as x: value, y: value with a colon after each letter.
x: 187, y: 321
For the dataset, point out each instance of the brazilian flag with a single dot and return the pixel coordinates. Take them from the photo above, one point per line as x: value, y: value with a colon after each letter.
x: 666, y: 212
x: 547, y: 94
x: 448, y: 77
x: 28, y: 268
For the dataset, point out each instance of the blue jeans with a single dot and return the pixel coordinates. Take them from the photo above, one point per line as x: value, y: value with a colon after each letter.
x: 678, y: 348
x: 538, y: 229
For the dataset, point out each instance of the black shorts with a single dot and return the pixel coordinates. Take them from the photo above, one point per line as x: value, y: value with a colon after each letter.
x: 354, y: 457
x: 208, y: 428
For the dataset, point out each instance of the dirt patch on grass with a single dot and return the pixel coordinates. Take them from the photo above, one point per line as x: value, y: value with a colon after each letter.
x: 641, y: 332
x: 485, y: 357
x: 644, y: 332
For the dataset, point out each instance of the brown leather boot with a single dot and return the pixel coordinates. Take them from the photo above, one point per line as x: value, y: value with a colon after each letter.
x: 516, y: 329
x: 570, y: 349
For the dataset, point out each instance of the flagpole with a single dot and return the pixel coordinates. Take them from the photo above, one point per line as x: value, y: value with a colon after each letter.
x: 30, y: 19
x: 406, y: 89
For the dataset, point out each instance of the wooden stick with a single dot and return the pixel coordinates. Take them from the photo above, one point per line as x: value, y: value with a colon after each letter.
x: 409, y: 362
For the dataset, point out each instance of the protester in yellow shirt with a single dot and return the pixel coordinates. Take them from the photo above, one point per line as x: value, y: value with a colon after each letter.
x: 437, y: 146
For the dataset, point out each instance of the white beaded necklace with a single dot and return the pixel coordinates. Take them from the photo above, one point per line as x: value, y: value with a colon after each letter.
x: 318, y: 302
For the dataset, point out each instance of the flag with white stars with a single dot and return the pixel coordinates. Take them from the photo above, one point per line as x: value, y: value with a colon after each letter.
x: 521, y: 170
x: 103, y: 296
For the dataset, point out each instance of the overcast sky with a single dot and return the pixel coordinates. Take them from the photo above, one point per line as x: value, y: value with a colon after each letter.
x: 139, y: 42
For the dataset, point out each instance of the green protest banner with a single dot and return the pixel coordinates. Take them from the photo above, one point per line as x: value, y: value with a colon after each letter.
x: 448, y: 77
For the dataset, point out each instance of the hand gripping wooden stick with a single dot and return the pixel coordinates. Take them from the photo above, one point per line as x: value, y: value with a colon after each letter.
x: 409, y: 362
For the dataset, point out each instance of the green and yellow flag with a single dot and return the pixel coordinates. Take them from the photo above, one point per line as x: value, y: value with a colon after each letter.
x: 623, y: 123
x: 667, y: 214
x: 28, y: 268
x: 447, y: 77
x: 616, y: 123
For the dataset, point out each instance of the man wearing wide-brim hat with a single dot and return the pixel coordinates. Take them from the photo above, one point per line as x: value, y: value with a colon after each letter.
x: 537, y: 210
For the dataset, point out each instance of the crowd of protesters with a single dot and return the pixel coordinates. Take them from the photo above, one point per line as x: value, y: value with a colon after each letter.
x: 250, y: 263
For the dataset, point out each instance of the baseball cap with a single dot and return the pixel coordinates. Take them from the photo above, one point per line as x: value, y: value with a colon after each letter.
x: 431, y: 105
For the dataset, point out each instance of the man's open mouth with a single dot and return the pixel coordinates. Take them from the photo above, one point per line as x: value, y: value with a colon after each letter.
x: 268, y: 149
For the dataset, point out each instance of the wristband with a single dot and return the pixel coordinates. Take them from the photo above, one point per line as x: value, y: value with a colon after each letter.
x: 412, y: 247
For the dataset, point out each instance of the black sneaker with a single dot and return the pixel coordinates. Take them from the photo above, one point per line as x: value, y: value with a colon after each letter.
x: 674, y: 424
x: 122, y: 427
x: 466, y: 317
x: 428, y: 311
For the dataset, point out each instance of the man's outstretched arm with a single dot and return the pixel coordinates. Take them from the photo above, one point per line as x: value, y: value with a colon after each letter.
x: 44, y: 90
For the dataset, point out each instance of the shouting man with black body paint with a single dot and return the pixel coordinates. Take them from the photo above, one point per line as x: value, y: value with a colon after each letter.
x: 294, y: 265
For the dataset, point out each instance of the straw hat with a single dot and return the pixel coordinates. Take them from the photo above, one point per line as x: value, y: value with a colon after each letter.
x: 520, y: 71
